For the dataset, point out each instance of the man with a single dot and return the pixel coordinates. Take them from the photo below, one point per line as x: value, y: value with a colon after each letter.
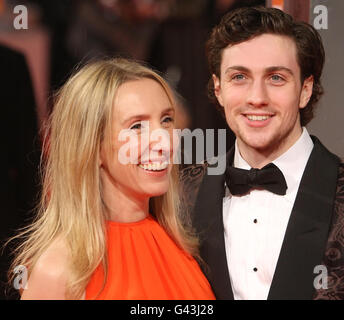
x: 272, y: 226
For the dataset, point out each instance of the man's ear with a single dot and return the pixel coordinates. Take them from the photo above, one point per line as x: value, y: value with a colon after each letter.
x: 217, y: 89
x: 306, y: 92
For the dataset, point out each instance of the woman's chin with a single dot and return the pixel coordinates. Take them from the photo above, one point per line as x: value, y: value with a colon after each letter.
x: 152, y: 192
x: 157, y: 194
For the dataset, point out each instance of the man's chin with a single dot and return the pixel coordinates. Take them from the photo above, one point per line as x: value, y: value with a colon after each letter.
x: 259, y: 143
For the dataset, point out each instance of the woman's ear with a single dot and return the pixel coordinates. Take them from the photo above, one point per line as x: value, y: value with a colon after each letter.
x: 306, y: 92
x: 217, y: 89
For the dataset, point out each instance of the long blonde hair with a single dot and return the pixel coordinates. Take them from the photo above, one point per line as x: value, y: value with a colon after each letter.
x: 71, y: 202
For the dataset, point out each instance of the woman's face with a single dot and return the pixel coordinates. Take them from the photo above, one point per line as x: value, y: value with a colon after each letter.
x: 141, y: 142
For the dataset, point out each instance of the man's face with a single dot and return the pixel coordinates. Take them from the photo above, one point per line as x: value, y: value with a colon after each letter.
x: 261, y: 93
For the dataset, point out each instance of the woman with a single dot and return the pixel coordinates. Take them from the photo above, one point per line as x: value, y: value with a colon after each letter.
x: 110, y: 229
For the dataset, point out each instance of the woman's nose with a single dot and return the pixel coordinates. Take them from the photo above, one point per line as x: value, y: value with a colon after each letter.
x: 160, y: 144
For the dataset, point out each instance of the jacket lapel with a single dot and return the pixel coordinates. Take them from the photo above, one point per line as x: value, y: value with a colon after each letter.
x: 307, y: 231
x: 209, y: 225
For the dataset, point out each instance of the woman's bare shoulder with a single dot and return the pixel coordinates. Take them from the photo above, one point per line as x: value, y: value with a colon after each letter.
x: 49, y: 275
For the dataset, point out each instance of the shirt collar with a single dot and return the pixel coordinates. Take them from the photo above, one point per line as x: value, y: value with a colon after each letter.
x: 292, y: 163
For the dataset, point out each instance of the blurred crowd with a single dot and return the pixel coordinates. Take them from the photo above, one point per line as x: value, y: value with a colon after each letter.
x: 167, y: 34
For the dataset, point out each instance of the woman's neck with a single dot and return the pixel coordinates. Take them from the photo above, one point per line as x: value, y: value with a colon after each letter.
x: 122, y: 205
x: 122, y: 209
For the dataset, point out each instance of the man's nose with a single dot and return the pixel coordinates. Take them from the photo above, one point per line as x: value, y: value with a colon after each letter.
x: 257, y: 95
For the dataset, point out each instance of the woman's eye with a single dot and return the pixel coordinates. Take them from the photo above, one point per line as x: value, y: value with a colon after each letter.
x: 136, y: 126
x: 168, y: 119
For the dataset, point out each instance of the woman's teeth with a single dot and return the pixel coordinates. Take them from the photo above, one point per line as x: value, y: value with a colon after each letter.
x: 257, y: 118
x: 155, y: 166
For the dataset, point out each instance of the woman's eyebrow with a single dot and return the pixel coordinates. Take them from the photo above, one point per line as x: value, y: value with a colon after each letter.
x: 168, y: 110
x: 145, y: 116
x: 135, y: 116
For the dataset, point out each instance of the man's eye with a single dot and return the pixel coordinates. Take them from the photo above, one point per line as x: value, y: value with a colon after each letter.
x: 238, y: 77
x: 276, y: 78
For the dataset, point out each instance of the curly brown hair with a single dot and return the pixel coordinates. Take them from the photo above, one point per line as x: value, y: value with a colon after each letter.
x: 246, y: 23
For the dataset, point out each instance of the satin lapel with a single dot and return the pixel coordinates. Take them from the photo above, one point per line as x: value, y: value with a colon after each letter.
x: 209, y: 224
x: 307, y: 231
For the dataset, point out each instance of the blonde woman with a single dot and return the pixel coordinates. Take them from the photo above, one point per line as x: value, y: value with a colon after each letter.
x: 106, y: 229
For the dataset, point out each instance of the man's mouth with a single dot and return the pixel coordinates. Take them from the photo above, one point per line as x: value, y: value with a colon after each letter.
x: 252, y: 117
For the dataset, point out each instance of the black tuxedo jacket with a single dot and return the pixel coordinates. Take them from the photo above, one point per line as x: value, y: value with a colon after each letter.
x: 314, y: 235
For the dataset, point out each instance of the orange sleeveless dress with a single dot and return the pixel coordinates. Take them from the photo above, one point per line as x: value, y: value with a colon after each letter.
x: 144, y: 263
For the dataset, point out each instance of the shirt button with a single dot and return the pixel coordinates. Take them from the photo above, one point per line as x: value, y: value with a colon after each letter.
x: 255, y: 269
x: 255, y: 220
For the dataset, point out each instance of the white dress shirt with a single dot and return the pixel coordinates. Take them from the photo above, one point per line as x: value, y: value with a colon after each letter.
x: 255, y: 224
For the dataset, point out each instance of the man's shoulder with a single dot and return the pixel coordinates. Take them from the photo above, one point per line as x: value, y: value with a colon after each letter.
x: 324, y: 150
x: 339, y: 196
x: 340, y: 184
x: 341, y: 166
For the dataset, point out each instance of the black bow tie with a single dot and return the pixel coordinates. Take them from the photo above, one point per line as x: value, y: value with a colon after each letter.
x: 241, y: 181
